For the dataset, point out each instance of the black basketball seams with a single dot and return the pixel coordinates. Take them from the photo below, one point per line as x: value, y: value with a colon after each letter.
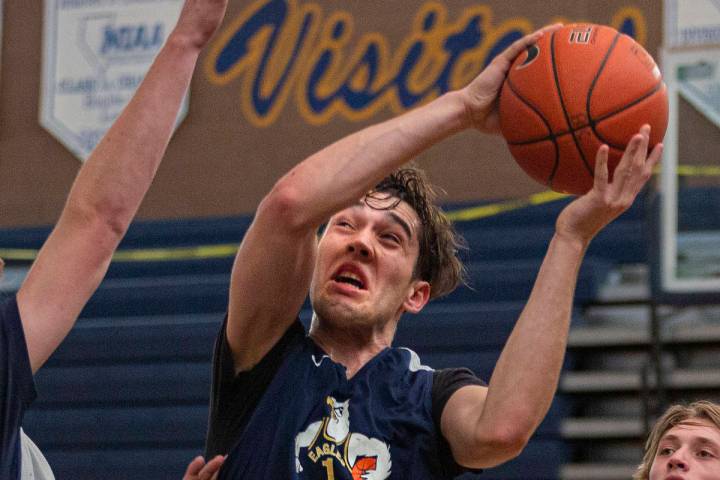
x: 622, y: 88
x: 593, y: 122
x: 551, y: 136
x: 564, y: 109
x: 640, y: 99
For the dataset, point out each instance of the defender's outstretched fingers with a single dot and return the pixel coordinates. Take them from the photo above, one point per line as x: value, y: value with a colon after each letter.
x: 194, y: 467
x: 211, y: 468
x: 199, y: 470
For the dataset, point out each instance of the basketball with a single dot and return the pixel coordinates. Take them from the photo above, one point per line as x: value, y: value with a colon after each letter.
x: 577, y: 88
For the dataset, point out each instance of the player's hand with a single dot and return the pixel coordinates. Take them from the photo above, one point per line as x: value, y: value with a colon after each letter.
x: 199, y: 470
x: 587, y: 215
x: 198, y: 21
x: 481, y: 95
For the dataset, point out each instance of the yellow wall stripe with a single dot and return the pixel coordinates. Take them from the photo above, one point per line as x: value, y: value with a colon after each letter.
x: 228, y: 250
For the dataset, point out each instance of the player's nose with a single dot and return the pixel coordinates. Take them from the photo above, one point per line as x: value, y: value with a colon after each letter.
x: 360, y: 246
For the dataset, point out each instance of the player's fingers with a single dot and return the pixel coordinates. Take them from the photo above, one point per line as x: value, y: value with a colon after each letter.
x: 630, y: 151
x: 521, y: 44
x: 642, y: 153
x: 639, y: 174
x: 194, y: 467
x: 645, y: 172
x: 601, y: 168
x: 623, y: 171
x: 550, y: 28
x: 211, y: 468
x: 654, y: 158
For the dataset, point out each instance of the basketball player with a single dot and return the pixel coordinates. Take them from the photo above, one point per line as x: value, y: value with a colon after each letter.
x: 683, y: 444
x: 103, y: 200
x: 340, y: 402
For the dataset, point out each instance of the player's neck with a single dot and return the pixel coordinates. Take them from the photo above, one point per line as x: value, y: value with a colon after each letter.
x: 349, y: 348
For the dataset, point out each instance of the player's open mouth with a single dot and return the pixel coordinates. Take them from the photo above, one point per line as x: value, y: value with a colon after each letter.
x: 349, y: 276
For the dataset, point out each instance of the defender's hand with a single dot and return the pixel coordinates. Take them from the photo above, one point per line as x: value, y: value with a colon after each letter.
x: 481, y: 95
x: 198, y: 21
x: 586, y: 216
x: 199, y: 470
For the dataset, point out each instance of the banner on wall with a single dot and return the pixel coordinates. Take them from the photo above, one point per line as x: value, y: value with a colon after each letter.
x: 686, y: 264
x: 279, y: 80
x: 692, y: 22
x: 697, y: 75
x: 95, y: 54
x: 689, y: 262
x: 311, y: 55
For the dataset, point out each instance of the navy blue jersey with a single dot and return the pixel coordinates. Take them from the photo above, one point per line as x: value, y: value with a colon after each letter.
x: 17, y: 387
x: 311, y: 422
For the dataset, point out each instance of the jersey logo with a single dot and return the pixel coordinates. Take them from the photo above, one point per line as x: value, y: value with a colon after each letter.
x: 328, y: 443
x: 318, y: 362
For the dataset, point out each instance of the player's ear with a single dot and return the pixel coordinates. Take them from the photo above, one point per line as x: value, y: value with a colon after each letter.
x: 418, y: 296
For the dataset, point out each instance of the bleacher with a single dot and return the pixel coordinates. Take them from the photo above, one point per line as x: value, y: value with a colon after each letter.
x: 636, y: 355
x: 126, y: 394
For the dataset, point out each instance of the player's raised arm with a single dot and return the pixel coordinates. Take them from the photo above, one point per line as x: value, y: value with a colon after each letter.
x: 109, y: 188
x: 272, y: 270
x: 486, y: 427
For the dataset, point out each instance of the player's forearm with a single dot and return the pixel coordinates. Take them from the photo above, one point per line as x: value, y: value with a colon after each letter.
x: 343, y: 172
x: 115, y: 178
x: 526, y: 375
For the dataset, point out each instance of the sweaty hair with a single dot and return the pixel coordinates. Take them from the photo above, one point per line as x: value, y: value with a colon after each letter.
x: 675, y: 415
x: 438, y: 262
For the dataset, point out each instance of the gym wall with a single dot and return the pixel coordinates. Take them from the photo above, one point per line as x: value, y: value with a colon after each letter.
x: 235, y: 142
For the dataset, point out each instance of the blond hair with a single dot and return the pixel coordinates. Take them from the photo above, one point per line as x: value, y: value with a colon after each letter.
x: 673, y: 416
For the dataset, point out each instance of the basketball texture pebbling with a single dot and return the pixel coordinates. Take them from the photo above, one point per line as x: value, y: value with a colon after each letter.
x: 576, y: 89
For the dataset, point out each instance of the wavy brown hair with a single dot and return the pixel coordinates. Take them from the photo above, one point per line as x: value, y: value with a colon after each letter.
x: 675, y: 415
x: 438, y: 261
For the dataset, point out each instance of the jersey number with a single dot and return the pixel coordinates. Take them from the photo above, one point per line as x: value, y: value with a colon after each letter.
x: 328, y: 464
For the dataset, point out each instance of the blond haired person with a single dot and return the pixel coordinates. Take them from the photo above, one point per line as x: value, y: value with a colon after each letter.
x: 684, y: 444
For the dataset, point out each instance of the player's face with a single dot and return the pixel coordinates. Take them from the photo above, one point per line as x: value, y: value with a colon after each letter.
x: 688, y: 451
x: 365, y: 264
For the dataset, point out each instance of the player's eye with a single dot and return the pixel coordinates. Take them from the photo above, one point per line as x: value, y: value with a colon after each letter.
x: 665, y: 451
x: 391, y: 237
x: 705, y: 454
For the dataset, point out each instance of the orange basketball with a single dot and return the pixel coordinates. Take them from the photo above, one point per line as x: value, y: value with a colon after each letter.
x: 580, y: 87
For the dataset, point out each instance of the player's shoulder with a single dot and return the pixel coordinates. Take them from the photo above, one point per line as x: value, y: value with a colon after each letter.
x: 410, y: 361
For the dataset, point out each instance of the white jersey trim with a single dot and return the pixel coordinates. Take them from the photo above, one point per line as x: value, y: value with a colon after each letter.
x: 415, y: 364
x: 33, y: 466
